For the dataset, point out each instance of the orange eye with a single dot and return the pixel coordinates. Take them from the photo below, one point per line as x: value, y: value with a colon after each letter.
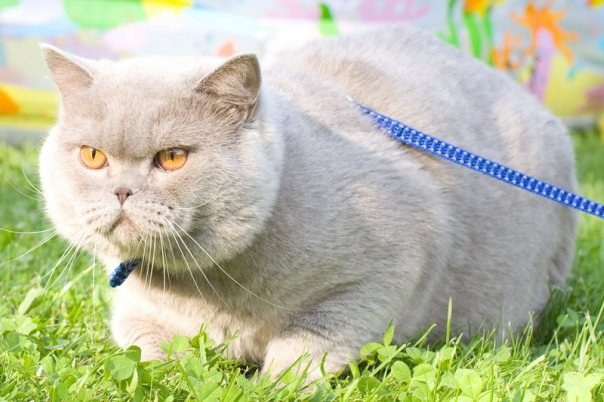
x: 92, y: 158
x: 171, y: 158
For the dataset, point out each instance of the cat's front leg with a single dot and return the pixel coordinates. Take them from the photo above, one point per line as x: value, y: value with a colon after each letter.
x: 130, y: 326
x: 326, y: 337
x: 329, y: 335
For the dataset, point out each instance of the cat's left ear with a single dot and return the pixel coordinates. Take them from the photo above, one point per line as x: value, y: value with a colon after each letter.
x: 68, y: 72
x: 236, y: 83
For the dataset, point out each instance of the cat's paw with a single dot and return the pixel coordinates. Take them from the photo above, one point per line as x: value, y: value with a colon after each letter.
x: 152, y: 352
x: 145, y: 334
x: 304, y: 355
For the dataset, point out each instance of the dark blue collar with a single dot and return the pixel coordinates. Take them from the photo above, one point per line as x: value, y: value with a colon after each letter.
x: 120, y: 274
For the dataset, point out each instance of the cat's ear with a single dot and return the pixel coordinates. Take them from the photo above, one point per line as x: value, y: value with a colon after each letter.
x: 236, y: 83
x: 68, y: 72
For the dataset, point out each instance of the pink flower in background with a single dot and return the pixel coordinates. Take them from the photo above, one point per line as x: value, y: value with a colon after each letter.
x: 227, y: 49
x: 293, y: 9
x: 545, y: 51
x: 128, y: 39
x: 11, y: 76
x: 594, y: 100
x: 391, y: 10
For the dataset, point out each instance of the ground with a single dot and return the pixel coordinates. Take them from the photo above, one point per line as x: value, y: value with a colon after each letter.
x: 55, y: 343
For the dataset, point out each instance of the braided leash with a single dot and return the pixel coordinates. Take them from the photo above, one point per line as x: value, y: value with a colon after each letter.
x: 415, y: 138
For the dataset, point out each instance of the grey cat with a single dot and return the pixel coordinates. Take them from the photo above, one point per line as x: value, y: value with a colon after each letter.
x: 278, y: 213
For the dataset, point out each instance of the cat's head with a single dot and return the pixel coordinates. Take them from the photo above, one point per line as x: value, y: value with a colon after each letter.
x: 159, y: 154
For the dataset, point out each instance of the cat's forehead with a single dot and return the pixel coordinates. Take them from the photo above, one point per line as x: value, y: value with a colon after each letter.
x: 138, y: 106
x: 151, y: 75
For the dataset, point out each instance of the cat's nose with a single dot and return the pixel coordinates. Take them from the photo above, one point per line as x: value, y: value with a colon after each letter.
x: 122, y: 194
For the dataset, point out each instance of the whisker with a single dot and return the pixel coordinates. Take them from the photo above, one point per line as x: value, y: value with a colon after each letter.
x: 171, y: 248
x: 67, y: 285
x: 229, y: 275
x: 205, y: 277
x: 71, y: 251
x: 94, y: 306
x: 163, y: 261
x: 146, y: 260
x: 26, y: 233
x: 70, y: 262
x: 195, y: 261
x: 10, y: 183
x: 196, y: 206
x: 189, y: 269
x: 152, y: 260
x: 37, y: 245
x: 36, y: 189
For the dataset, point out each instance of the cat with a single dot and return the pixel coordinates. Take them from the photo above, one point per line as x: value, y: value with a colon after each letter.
x: 266, y: 207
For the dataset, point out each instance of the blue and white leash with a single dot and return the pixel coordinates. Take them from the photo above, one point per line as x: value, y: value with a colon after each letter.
x: 415, y: 138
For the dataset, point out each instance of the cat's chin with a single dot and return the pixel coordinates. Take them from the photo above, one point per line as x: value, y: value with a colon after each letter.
x: 123, y: 233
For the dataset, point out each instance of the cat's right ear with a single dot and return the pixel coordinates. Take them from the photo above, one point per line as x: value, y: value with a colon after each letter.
x: 68, y: 72
x: 235, y: 83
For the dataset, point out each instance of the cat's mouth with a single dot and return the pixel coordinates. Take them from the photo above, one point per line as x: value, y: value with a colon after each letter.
x: 122, y: 232
x: 121, y: 220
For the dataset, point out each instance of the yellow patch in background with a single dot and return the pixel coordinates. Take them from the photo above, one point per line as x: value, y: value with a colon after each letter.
x: 565, y: 94
x: 26, y: 108
x: 7, y: 104
x: 154, y: 7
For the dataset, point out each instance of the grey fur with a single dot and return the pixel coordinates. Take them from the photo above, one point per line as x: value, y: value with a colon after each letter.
x: 327, y: 229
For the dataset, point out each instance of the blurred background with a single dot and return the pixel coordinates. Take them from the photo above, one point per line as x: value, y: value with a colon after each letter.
x: 554, y: 48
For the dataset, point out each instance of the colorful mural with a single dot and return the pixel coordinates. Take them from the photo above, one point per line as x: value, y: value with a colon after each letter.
x: 555, y: 48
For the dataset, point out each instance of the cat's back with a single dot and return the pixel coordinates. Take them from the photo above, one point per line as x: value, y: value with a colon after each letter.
x: 412, y: 76
x: 498, y: 236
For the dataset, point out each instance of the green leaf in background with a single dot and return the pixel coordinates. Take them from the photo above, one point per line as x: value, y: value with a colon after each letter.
x: 424, y: 372
x: 445, y: 355
x: 388, y: 335
x: 503, y: 354
x: 578, y: 386
x: 8, y: 3
x: 469, y: 382
x: 208, y: 392
x: 327, y: 24
x: 121, y: 367
x: 418, y: 355
x: 401, y: 372
x: 452, y: 36
x: 25, y: 325
x: 177, y: 346
x: 474, y: 32
x: 487, y: 26
x: 370, y: 348
x: 30, y: 297
x: 103, y: 14
x: 367, y: 384
x: 193, y: 367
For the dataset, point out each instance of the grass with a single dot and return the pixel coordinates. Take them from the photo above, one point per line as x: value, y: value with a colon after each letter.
x: 55, y: 343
